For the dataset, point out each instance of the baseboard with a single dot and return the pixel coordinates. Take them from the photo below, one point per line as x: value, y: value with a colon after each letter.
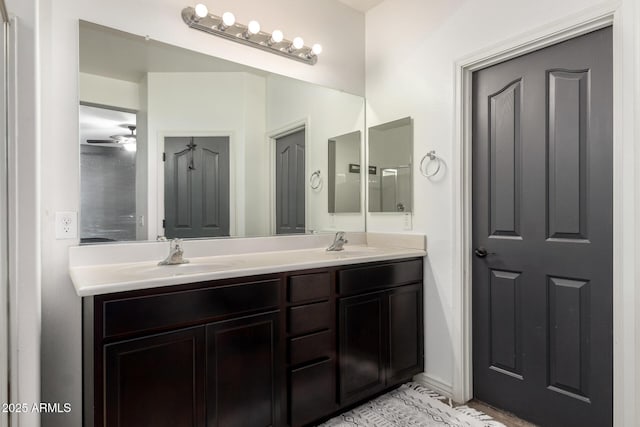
x: 434, y: 384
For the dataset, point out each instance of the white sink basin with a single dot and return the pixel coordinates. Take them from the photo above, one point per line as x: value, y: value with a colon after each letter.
x: 154, y: 271
x: 353, y: 251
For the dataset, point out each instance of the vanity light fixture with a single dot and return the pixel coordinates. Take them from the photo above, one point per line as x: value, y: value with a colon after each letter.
x: 253, y: 28
x: 276, y: 37
x: 225, y: 26
x: 228, y: 20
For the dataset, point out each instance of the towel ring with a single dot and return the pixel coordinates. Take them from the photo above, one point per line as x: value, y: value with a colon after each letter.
x: 431, y: 155
x: 315, y: 181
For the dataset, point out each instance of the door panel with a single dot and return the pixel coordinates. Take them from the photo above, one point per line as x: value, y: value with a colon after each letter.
x: 290, y: 183
x: 212, y: 188
x: 505, y: 332
x: 504, y: 116
x: 196, y: 187
x: 542, y: 209
x: 568, y: 109
x: 569, y: 345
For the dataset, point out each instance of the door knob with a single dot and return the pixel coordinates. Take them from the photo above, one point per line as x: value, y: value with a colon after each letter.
x: 482, y: 252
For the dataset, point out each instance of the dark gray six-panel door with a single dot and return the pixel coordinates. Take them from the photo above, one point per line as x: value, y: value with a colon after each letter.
x: 196, y: 186
x: 542, y: 233
x: 290, y: 183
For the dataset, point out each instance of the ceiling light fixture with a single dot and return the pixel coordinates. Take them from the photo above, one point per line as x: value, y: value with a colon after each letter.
x: 225, y: 26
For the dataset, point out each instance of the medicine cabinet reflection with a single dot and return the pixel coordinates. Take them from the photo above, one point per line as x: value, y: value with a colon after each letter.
x: 344, y: 173
x: 390, y: 164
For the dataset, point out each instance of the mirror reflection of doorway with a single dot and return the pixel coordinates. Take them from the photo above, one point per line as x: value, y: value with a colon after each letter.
x: 108, y: 163
x: 196, y: 187
x: 290, y: 183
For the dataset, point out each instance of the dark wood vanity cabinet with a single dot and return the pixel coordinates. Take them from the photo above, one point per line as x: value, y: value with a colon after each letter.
x: 380, y: 328
x: 311, y: 361
x: 156, y: 380
x: 286, y: 349
x: 193, y: 355
x: 242, y: 372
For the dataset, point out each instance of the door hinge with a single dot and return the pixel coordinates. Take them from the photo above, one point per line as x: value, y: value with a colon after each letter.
x: 164, y: 223
x: 164, y: 157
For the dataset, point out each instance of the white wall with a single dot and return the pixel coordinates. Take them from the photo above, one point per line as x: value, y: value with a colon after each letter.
x: 55, y: 24
x: 417, y: 78
x: 111, y: 92
x: 290, y: 102
x: 24, y: 209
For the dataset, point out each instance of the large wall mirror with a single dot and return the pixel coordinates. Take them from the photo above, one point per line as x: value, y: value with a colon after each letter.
x: 182, y: 144
x: 390, y: 158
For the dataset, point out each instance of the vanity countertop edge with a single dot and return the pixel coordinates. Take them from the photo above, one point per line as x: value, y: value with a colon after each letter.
x: 90, y: 279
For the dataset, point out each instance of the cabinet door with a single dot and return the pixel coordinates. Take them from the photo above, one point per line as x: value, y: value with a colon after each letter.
x: 312, y: 392
x: 242, y: 372
x: 156, y: 381
x: 405, y: 328
x: 361, y: 346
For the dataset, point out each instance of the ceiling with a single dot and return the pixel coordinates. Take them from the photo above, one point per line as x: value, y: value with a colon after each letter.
x: 362, y: 5
x: 102, y: 123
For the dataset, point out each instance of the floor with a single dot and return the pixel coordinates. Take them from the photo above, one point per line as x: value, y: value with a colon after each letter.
x: 505, y: 418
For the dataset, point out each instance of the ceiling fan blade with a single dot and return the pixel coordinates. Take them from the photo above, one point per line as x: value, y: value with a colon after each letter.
x: 101, y: 141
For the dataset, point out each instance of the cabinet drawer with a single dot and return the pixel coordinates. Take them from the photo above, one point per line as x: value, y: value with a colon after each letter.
x: 309, y: 318
x: 174, y: 309
x: 357, y: 280
x: 308, y: 286
x: 312, y: 392
x: 310, y: 347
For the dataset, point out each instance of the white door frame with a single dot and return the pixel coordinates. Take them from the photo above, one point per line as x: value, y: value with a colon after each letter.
x: 5, y: 324
x: 591, y: 20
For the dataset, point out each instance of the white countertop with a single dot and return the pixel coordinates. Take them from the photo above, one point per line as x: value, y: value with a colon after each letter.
x: 100, y: 277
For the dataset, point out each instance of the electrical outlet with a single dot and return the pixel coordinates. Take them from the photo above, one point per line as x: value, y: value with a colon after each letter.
x: 66, y: 225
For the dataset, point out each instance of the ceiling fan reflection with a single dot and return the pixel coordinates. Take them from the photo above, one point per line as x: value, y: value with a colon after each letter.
x: 117, y: 139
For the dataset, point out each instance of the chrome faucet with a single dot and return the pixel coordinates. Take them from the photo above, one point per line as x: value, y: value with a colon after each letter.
x: 338, y: 242
x: 175, y: 254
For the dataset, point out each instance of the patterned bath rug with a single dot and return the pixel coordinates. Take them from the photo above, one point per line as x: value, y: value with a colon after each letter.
x: 411, y: 405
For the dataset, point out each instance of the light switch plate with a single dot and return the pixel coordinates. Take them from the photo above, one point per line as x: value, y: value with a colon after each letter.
x: 407, y: 221
x: 66, y: 225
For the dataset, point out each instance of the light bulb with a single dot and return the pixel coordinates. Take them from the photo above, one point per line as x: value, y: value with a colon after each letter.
x: 316, y: 49
x: 228, y: 19
x: 201, y: 10
x: 253, y: 27
x: 298, y: 43
x: 277, y: 36
x: 129, y: 146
